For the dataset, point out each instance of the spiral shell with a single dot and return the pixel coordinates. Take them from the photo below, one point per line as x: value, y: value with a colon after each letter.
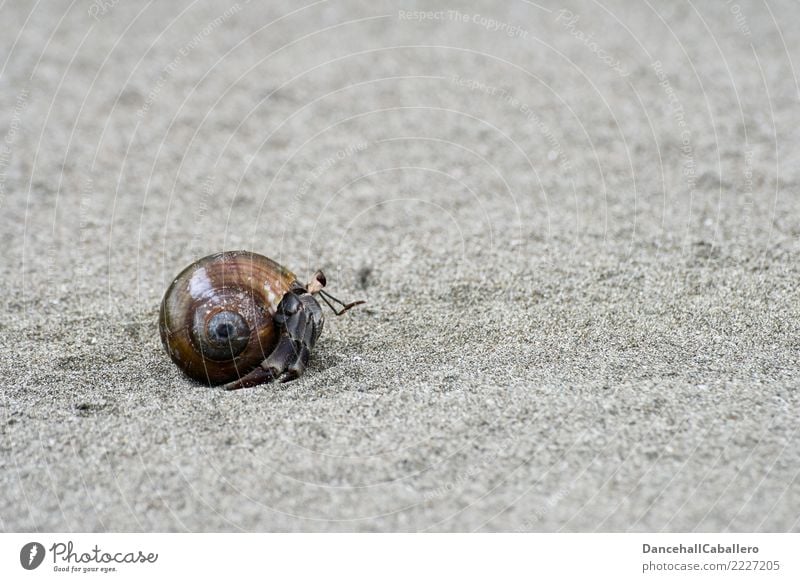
x: 216, y: 316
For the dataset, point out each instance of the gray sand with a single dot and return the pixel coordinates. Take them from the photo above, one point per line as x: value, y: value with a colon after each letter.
x: 581, y: 267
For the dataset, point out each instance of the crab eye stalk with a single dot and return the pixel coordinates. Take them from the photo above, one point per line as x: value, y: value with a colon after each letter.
x: 315, y: 287
x: 318, y: 281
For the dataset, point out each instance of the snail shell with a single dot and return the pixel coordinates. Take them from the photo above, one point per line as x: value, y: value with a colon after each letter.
x: 216, y: 316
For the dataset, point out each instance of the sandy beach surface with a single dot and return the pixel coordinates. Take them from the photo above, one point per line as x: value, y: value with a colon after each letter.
x: 576, y: 225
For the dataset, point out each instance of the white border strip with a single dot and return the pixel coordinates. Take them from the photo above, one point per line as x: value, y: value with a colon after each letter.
x: 382, y: 557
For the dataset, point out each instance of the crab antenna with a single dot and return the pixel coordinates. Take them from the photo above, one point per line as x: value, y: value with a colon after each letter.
x: 345, y: 306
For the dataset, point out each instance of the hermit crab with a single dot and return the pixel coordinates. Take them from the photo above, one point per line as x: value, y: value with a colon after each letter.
x: 240, y: 319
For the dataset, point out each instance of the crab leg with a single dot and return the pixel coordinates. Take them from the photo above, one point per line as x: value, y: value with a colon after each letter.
x: 299, y: 320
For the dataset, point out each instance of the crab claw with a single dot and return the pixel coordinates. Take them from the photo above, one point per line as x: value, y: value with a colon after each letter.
x: 253, y: 378
x: 299, y: 321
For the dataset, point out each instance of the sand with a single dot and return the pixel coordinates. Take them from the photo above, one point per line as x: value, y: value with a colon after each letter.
x: 577, y: 228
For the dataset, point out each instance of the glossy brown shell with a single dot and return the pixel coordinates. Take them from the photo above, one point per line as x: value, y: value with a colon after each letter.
x: 245, y: 282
